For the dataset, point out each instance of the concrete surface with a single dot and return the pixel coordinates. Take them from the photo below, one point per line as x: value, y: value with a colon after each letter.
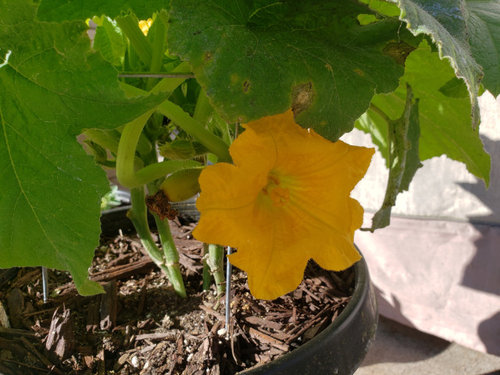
x: 401, y: 350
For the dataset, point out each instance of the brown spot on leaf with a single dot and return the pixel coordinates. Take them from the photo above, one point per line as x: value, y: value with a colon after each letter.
x: 246, y: 86
x: 399, y: 51
x: 359, y: 72
x: 302, y: 97
x: 207, y: 56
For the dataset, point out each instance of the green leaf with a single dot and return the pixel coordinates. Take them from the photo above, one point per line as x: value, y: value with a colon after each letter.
x: 484, y: 28
x: 454, y: 88
x: 262, y: 57
x: 444, y: 119
x: 467, y: 33
x: 383, y: 7
x: 181, y: 149
x: 53, y: 86
x: 110, y: 41
x: 404, y: 158
x: 61, y: 10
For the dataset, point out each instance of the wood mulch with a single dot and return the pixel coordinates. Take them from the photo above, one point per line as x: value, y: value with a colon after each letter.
x: 140, y: 326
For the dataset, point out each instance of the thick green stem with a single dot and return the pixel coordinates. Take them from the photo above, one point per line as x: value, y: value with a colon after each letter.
x: 215, y: 261
x: 130, y: 26
x: 207, y: 276
x: 138, y: 215
x: 158, y: 36
x: 125, y: 168
x: 171, y: 256
x: 107, y: 139
x: 381, y: 113
x: 175, y: 113
x: 203, y: 109
x: 213, y: 143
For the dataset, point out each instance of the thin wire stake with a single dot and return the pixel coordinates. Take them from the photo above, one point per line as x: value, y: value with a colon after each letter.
x: 155, y: 75
x: 45, y: 284
x: 229, y: 269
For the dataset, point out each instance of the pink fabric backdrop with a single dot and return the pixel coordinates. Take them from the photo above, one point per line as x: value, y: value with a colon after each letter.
x: 441, y: 277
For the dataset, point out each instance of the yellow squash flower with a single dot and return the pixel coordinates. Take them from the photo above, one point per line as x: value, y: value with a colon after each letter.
x: 144, y: 25
x: 284, y: 201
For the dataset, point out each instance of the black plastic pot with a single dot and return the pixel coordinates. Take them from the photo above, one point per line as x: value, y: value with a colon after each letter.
x: 338, y: 350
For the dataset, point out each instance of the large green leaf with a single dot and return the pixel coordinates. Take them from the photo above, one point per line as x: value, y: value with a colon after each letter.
x: 484, y: 28
x: 60, y: 10
x: 256, y: 58
x: 52, y: 87
x: 467, y: 33
x: 110, y: 41
x: 444, y: 113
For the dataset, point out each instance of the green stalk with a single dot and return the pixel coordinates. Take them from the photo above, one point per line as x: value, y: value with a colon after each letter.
x: 203, y: 109
x: 207, y: 276
x: 130, y: 26
x: 213, y: 143
x: 215, y: 262
x: 107, y: 139
x: 125, y: 168
x: 175, y: 113
x: 171, y: 255
x: 158, y: 37
x: 138, y: 215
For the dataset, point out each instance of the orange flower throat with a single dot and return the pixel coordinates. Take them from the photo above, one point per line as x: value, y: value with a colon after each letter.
x: 278, y: 194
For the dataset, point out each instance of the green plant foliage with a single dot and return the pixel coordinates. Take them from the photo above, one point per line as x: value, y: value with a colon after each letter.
x: 444, y: 119
x: 110, y: 41
x: 52, y: 87
x: 61, y: 10
x: 260, y: 58
x: 467, y: 33
x: 484, y: 28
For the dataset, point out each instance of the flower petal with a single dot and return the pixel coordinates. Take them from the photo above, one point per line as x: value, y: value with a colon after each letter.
x: 284, y: 201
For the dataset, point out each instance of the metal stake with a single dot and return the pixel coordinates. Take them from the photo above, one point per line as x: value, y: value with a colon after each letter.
x: 45, y: 284
x: 229, y: 269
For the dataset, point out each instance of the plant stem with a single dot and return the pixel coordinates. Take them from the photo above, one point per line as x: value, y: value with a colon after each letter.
x: 138, y: 215
x: 203, y: 109
x: 213, y: 143
x: 215, y: 262
x: 176, y: 114
x: 125, y: 169
x: 130, y: 26
x: 381, y: 113
x: 171, y: 255
x: 158, y: 37
x: 207, y: 276
x: 107, y: 139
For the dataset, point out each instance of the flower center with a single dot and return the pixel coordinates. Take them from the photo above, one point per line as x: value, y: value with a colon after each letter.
x: 278, y: 194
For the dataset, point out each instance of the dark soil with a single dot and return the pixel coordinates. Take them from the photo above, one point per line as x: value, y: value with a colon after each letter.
x: 140, y: 326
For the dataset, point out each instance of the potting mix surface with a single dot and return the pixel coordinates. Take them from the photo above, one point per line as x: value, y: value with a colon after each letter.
x: 140, y: 326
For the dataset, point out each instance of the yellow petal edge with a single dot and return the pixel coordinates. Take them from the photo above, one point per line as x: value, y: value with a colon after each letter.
x: 286, y: 199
